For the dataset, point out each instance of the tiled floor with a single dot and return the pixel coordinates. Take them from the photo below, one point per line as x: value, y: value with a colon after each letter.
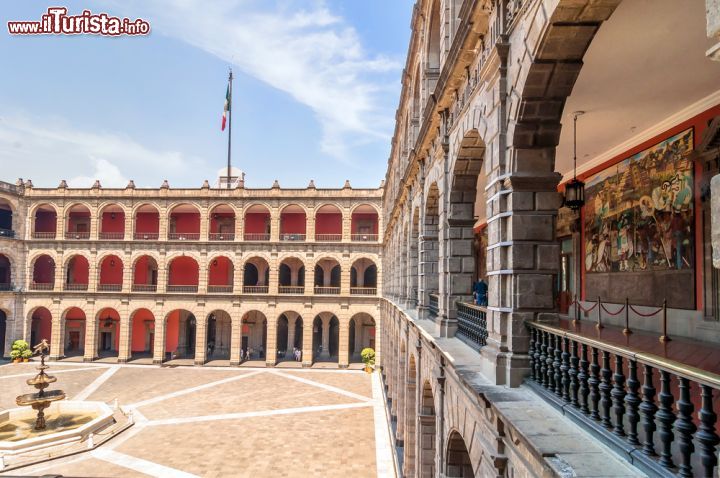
x: 215, y: 421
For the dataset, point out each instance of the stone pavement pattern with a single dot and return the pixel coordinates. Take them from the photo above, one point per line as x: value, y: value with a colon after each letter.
x: 223, y: 421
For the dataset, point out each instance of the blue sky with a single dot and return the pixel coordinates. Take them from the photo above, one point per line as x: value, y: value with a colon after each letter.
x: 316, y: 89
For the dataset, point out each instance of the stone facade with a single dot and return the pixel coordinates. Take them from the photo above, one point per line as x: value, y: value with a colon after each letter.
x: 232, y: 305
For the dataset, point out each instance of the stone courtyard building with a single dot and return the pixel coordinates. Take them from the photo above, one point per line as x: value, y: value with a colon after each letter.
x: 596, y: 349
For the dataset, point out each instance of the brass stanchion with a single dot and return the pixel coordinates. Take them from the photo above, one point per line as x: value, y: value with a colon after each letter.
x: 664, y: 337
x: 627, y: 330
x: 599, y: 324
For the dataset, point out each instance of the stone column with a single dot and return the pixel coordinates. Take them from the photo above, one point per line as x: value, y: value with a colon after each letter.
x: 159, y: 344
x: 310, y: 227
x: 201, y: 324
x: 129, y: 229
x: 95, y: 222
x: 274, y: 225
x: 271, y: 352
x: 344, y: 343
x: 291, y: 338
x: 91, y: 336
x: 163, y: 275
x: 239, y: 224
x: 325, y: 338
x: 235, y: 335
x: 204, y: 224
x: 346, y: 225
x: 125, y: 342
x: 203, y: 275
x: 57, y: 341
x: 307, y: 351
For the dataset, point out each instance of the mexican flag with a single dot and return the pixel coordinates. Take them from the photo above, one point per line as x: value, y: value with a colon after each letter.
x: 226, y: 108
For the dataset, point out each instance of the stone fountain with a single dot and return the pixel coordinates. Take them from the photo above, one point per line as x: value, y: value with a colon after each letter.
x: 40, y: 400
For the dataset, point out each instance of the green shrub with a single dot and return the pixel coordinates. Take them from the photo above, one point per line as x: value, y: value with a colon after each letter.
x: 368, y: 356
x: 20, y: 349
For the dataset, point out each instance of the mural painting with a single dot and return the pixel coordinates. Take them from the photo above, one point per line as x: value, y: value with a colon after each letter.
x: 639, y: 212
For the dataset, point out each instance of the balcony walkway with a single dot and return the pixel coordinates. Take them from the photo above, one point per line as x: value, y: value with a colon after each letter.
x: 703, y: 356
x: 566, y: 449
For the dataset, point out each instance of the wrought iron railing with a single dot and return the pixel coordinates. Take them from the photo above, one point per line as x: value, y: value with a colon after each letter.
x: 255, y: 289
x: 183, y: 236
x: 256, y: 236
x: 182, y: 288
x: 434, y: 304
x: 146, y: 236
x: 472, y: 323
x: 44, y: 235
x: 328, y: 237
x: 77, y: 235
x: 112, y: 236
x: 327, y: 290
x: 364, y: 237
x: 144, y: 288
x: 220, y: 289
x: 222, y: 236
x: 612, y: 389
x: 363, y: 290
x: 291, y: 289
x: 109, y: 287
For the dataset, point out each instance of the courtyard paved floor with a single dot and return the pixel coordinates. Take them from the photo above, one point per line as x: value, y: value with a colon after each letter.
x: 218, y: 421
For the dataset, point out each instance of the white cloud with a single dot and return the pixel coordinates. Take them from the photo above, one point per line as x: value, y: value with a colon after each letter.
x: 299, y: 47
x: 29, y: 145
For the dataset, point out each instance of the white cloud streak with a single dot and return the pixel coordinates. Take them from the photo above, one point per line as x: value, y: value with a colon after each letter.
x: 299, y: 47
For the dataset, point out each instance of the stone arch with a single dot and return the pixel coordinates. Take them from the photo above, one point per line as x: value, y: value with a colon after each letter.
x: 40, y: 325
x: 180, y: 332
x: 107, y: 329
x: 142, y: 333
x: 146, y: 221
x: 145, y: 271
x: 361, y: 334
x: 43, y: 267
x: 254, y: 335
x: 220, y: 273
x: 256, y: 274
x: 110, y: 272
x: 410, y: 417
x: 256, y: 222
x: 44, y: 220
x: 78, y: 220
x: 457, y: 458
x: 429, y: 245
x: 291, y: 274
x: 223, y: 219
x: 428, y: 430
x: 183, y: 273
x: 327, y: 275
x: 73, y: 328
x: 111, y: 220
x: 218, y: 336
x: 6, y: 273
x: 433, y: 45
x: 76, y: 270
x: 363, y: 276
x: 183, y: 221
x: 329, y: 218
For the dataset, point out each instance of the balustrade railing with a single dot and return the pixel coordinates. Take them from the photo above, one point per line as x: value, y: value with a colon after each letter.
x: 292, y: 237
x: 184, y: 236
x: 328, y: 237
x: 112, y: 236
x: 42, y: 286
x: 327, y: 290
x: 613, y: 389
x: 182, y: 288
x: 363, y: 290
x: 77, y: 235
x: 76, y: 287
x: 43, y: 235
x: 144, y: 288
x: 220, y: 289
x: 255, y: 289
x: 472, y: 323
x: 291, y: 289
x: 254, y: 236
x: 364, y: 237
x: 434, y: 304
x: 146, y: 236
x: 109, y: 287
x: 220, y: 236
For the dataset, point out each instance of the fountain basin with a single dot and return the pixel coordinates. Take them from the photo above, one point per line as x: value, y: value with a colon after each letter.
x: 67, y: 421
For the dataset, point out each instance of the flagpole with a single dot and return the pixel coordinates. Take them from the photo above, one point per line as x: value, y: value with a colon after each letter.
x: 229, y: 127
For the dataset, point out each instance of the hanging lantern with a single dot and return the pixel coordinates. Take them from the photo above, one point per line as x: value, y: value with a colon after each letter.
x: 575, y: 189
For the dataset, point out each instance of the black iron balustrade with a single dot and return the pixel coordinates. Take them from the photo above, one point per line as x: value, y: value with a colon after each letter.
x: 434, y: 304
x: 7, y: 233
x: 612, y: 390
x: 472, y: 323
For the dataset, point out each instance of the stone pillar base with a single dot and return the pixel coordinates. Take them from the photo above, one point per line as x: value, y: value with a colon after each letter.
x: 503, y: 368
x: 199, y: 362
x: 343, y: 365
x: 234, y: 363
x: 448, y: 327
x: 307, y: 364
x: 123, y: 360
x: 269, y: 363
x: 157, y: 362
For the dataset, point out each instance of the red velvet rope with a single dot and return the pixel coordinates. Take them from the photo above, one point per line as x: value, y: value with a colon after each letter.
x: 645, y: 315
x: 613, y: 313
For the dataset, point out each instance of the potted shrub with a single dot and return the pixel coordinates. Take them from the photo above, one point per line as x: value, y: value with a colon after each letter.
x: 368, y: 358
x: 20, y: 351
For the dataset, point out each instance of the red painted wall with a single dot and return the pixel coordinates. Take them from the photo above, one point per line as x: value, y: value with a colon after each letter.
x: 45, y: 221
x: 328, y: 223
x: 75, y: 313
x: 188, y: 223
x: 140, y: 274
x: 44, y: 320
x: 172, y: 331
x: 184, y: 271
x: 292, y: 223
x: 81, y: 270
x: 80, y: 217
x: 255, y: 222
x: 220, y: 274
x: 44, y: 270
x: 364, y: 217
x: 221, y: 217
x: 147, y: 223
x: 113, y: 225
x: 111, y: 274
x: 138, y: 329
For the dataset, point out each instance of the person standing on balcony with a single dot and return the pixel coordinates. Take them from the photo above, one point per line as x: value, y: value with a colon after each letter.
x: 480, y: 292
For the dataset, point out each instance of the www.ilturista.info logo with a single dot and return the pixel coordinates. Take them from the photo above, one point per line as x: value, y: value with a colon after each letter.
x: 57, y: 22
